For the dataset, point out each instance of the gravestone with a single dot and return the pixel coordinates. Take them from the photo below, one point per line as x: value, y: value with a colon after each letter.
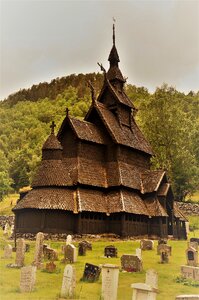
x: 68, y: 282
x: 39, y: 250
x: 146, y: 245
x: 193, y: 245
x: 152, y: 278
x: 147, y: 290
x: 50, y: 254
x: 81, y: 249
x: 51, y: 267
x: 12, y: 230
x: 87, y: 245
x: 164, y: 248
x: 164, y: 256
x: 20, y: 252
x: 190, y: 272
x: 8, y: 251
x: 110, y: 251
x: 187, y: 297
x: 192, y: 257
x: 91, y: 272
x: 131, y: 263
x: 138, y: 253
x: 110, y: 274
x: 162, y: 241
x: 194, y: 240
x: 69, y: 239
x: 6, y: 229
x: 28, y: 278
x: 70, y: 253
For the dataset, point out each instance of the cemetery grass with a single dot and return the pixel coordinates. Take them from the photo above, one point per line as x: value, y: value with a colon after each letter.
x: 48, y: 285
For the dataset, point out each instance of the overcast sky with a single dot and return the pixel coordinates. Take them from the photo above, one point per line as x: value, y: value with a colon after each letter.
x: 157, y: 41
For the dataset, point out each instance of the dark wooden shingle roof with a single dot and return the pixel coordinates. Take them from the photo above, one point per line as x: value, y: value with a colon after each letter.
x: 151, y: 180
x: 52, y: 143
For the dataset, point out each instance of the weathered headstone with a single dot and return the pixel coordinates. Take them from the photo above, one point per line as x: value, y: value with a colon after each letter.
x: 194, y: 240
x: 51, y: 267
x: 138, y: 253
x: 190, y: 272
x: 20, y: 252
x: 146, y: 245
x: 88, y: 245
x: 165, y: 248
x: 147, y: 290
x: 69, y: 239
x: 50, y: 253
x: 110, y: 274
x: 152, y: 278
x: 187, y: 297
x: 81, y: 249
x: 193, y: 245
x: 28, y: 278
x: 164, y: 256
x: 68, y: 282
x: 91, y: 272
x: 8, y: 251
x: 110, y: 251
x: 131, y: 263
x: 70, y: 253
x: 39, y: 250
x: 192, y: 257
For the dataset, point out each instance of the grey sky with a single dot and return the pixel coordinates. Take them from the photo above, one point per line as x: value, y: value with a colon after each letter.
x: 157, y: 41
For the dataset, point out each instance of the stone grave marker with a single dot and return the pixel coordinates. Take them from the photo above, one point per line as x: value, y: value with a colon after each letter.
x: 192, y: 257
x: 190, y: 272
x: 12, y: 230
x: 164, y: 248
x: 91, y: 272
x: 51, y: 267
x: 88, y: 245
x: 110, y: 274
x: 8, y: 251
x: 164, y: 256
x: 50, y: 253
x: 193, y: 245
x: 39, y: 250
x: 146, y: 245
x: 110, y: 251
x: 69, y: 239
x: 131, y: 263
x: 147, y: 290
x: 70, y: 253
x: 68, y: 282
x: 20, y: 252
x: 187, y: 297
x: 6, y: 229
x: 162, y: 241
x: 28, y: 278
x: 138, y: 253
x: 81, y: 249
x: 152, y: 278
x: 194, y: 240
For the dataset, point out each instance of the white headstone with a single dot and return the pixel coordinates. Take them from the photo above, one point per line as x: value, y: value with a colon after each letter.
x: 39, y: 250
x: 110, y: 274
x: 28, y: 278
x: 8, y: 251
x: 69, y: 239
x: 152, y: 278
x: 68, y: 282
x: 138, y: 253
x: 187, y: 297
x: 142, y: 291
x: 20, y: 252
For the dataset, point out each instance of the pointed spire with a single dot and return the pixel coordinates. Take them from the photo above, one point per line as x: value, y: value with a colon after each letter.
x: 114, y: 72
x: 52, y: 126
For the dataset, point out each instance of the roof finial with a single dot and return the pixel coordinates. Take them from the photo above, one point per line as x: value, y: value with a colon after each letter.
x: 52, y: 126
x: 114, y: 31
x: 92, y: 91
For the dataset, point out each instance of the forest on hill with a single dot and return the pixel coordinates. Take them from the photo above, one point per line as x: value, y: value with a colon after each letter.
x: 168, y: 118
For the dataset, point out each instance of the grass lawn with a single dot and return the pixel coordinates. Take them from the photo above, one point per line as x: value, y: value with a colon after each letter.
x: 48, y: 285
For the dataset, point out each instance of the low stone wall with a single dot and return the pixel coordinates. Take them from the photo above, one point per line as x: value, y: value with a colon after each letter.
x: 189, y: 209
x: 6, y: 219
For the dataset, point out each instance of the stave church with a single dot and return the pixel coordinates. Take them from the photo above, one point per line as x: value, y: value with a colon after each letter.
x: 95, y: 176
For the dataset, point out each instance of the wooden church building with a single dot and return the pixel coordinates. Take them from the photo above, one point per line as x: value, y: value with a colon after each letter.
x: 95, y: 175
